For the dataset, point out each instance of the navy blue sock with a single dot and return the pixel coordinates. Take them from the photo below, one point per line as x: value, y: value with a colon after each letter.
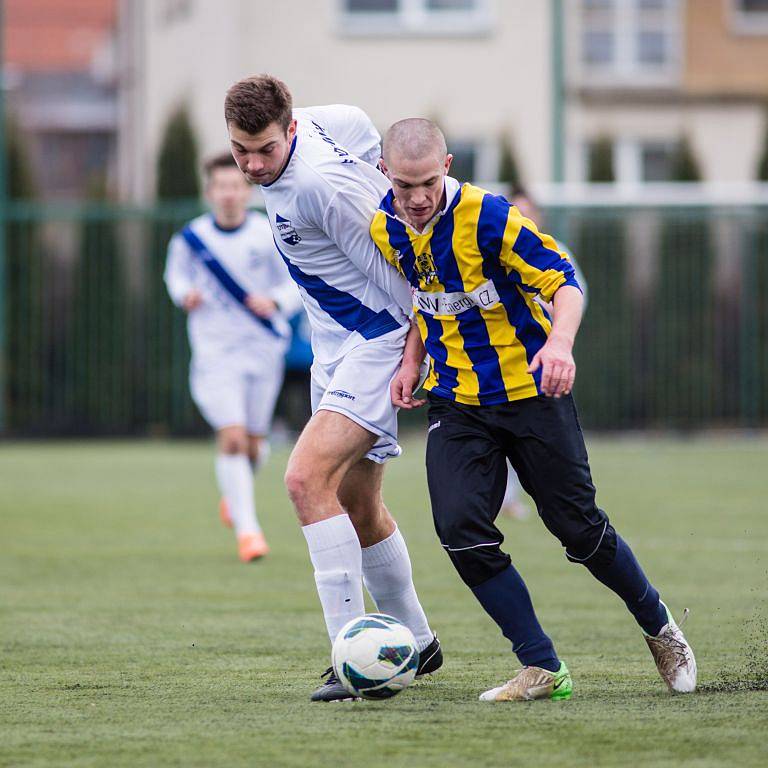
x: 626, y: 578
x: 506, y: 600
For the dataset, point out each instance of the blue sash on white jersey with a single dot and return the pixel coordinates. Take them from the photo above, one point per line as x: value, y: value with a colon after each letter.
x: 227, y: 282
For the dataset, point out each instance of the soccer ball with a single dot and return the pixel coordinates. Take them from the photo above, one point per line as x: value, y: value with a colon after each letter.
x: 375, y: 656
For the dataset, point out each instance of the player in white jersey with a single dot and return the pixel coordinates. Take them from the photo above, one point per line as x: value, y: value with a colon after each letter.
x: 224, y: 271
x: 321, y: 188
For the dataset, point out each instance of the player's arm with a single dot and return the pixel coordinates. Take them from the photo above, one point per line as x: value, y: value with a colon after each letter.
x: 406, y: 380
x: 179, y: 276
x: 347, y: 222
x: 555, y: 358
x: 541, y: 267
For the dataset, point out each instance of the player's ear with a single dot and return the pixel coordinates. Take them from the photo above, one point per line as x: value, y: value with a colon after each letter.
x: 291, y: 129
x: 383, y: 167
x: 448, y: 161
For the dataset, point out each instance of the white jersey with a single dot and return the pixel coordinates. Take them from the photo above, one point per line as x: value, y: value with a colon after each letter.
x: 221, y: 326
x: 320, y: 210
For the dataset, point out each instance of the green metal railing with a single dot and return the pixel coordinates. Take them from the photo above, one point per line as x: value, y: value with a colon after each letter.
x: 675, y: 335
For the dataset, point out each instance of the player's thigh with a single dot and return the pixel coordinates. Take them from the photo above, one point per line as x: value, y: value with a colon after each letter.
x: 466, y: 475
x: 551, y: 460
x: 327, y: 448
x: 219, y: 394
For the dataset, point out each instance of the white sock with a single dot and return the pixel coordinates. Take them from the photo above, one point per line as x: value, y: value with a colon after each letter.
x: 335, y: 552
x: 388, y: 577
x: 236, y: 484
x: 512, y: 493
x: 265, y: 451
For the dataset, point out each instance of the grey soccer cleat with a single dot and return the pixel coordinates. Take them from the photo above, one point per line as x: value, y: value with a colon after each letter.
x: 673, y: 656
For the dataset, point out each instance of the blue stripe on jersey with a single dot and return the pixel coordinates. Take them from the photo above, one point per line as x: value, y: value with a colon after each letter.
x: 388, y: 203
x: 447, y: 375
x: 399, y: 240
x: 227, y: 282
x: 491, y: 226
x: 477, y: 343
x: 532, y: 250
x: 344, y: 308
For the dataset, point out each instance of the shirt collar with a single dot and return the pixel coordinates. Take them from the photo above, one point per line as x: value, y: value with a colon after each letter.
x: 452, y: 188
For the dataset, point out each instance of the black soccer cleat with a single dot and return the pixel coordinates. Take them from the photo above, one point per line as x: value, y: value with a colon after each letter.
x: 332, y: 689
x: 430, y: 659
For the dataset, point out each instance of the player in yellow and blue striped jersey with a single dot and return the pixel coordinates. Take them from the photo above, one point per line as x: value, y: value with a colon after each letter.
x: 499, y: 385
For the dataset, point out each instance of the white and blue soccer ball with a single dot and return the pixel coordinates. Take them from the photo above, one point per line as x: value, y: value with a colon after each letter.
x: 375, y: 656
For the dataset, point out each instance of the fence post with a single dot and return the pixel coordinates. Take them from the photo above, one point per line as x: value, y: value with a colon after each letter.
x: 3, y: 206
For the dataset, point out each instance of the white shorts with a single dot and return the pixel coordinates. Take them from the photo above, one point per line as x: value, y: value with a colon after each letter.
x: 357, y: 386
x: 234, y: 395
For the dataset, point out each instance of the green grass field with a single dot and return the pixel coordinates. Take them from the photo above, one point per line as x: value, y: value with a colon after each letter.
x: 131, y: 636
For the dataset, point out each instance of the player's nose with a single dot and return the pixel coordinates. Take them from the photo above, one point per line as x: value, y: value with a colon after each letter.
x: 255, y: 165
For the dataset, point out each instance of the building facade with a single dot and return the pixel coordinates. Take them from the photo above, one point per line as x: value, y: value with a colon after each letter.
x: 648, y: 74
x: 481, y: 68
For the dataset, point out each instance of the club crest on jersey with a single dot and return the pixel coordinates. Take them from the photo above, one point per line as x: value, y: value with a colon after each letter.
x: 286, y: 231
x: 425, y: 268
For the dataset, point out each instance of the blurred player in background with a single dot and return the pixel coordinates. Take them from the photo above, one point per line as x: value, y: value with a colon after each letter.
x: 499, y: 386
x: 224, y: 271
x: 317, y: 170
x: 513, y: 506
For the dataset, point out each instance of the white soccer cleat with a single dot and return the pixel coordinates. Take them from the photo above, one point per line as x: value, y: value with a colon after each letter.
x: 673, y: 656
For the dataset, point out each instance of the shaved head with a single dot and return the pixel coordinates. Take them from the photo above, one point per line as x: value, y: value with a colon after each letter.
x: 416, y: 160
x: 414, y: 138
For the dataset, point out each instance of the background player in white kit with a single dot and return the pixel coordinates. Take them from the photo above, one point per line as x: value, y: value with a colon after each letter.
x: 317, y: 170
x: 238, y: 338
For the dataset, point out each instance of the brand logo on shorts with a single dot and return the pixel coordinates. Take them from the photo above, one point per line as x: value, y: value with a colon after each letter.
x: 286, y: 231
x: 341, y: 393
x: 433, y: 426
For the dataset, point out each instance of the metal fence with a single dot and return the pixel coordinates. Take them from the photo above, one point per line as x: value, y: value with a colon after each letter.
x: 675, y: 335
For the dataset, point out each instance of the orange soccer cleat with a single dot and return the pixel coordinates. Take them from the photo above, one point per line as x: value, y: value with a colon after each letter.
x: 224, y: 515
x: 251, y: 546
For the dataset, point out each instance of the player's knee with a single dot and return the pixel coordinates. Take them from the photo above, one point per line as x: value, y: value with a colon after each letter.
x: 232, y: 442
x: 304, y: 488
x: 595, y: 545
x: 477, y: 565
x: 453, y: 528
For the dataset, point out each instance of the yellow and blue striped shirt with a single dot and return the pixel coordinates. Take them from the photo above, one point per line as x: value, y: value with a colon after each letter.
x: 475, y: 272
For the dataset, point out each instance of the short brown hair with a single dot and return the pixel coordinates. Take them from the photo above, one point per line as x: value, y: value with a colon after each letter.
x: 223, y: 160
x: 255, y: 102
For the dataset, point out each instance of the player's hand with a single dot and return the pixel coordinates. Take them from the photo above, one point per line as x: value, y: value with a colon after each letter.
x: 262, y: 306
x: 402, y: 386
x: 192, y: 300
x: 558, y: 369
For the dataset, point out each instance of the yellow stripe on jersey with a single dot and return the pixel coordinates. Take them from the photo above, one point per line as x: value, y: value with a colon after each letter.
x: 522, y: 233
x: 476, y: 272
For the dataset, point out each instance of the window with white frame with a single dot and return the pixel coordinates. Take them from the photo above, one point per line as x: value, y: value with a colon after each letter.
x: 420, y: 17
x: 636, y: 41
x: 657, y: 160
x: 630, y: 159
x: 749, y: 17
